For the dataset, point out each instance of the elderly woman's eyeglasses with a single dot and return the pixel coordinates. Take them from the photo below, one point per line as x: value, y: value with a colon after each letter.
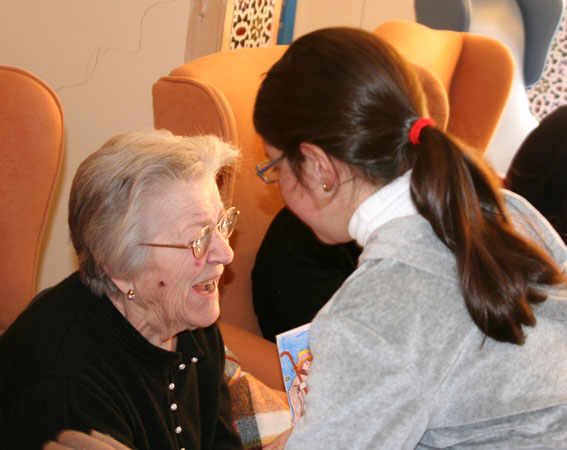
x: 202, y: 240
x: 268, y: 170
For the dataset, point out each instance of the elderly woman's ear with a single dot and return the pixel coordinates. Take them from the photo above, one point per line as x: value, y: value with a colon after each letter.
x: 123, y: 286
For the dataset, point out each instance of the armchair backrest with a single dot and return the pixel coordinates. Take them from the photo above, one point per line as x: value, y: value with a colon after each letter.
x: 216, y: 94
x: 31, y: 150
x: 476, y: 71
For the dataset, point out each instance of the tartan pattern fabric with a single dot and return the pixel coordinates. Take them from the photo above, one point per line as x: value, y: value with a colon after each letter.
x: 259, y: 414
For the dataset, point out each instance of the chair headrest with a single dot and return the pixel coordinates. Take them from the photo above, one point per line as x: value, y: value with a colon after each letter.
x: 540, y: 19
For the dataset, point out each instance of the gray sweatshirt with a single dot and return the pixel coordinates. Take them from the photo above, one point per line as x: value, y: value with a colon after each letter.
x: 399, y: 364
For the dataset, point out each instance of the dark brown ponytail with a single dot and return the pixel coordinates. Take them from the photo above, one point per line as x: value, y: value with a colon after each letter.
x: 498, y: 269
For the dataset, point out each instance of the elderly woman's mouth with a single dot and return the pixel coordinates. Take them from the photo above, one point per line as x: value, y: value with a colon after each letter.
x: 207, y: 287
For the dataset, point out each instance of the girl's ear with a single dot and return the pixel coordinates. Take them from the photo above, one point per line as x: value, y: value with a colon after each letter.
x: 319, y: 166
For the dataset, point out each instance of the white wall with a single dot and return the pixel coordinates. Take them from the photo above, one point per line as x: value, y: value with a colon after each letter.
x: 367, y: 14
x: 101, y: 57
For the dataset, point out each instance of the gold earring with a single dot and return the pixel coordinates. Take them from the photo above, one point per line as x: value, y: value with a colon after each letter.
x: 130, y: 294
x: 327, y: 188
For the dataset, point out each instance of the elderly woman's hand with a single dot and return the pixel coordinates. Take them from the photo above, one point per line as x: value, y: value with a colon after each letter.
x: 75, y: 440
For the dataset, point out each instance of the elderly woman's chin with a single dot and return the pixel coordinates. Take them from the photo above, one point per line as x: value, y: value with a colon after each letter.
x: 207, y: 310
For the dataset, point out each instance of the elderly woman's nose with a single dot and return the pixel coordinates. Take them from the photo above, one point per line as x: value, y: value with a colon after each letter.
x: 220, y: 251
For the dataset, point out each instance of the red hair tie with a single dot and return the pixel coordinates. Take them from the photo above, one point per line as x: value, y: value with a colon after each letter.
x: 416, y: 128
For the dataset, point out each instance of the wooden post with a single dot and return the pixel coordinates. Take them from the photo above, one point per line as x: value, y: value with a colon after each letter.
x: 221, y: 25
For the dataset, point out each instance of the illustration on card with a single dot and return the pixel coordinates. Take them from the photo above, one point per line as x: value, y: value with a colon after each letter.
x: 295, y: 360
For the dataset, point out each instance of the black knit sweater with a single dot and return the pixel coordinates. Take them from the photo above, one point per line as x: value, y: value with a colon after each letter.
x: 72, y: 361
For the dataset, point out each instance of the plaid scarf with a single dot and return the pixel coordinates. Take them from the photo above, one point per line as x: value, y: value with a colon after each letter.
x: 260, y: 413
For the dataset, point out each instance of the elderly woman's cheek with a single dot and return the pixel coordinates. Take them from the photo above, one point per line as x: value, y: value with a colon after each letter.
x: 175, y: 277
x: 197, y: 264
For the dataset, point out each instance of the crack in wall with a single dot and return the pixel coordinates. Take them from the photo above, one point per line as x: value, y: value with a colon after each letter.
x: 100, y: 51
x: 362, y: 13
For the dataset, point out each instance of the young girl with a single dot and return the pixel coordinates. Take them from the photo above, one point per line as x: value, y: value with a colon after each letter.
x: 432, y: 342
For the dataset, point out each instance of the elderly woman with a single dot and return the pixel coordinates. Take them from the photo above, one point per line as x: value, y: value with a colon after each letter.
x: 128, y: 345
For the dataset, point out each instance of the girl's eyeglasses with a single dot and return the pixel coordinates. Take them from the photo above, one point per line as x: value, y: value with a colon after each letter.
x: 268, y: 171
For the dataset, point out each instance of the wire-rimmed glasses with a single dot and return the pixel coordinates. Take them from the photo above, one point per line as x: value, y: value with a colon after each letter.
x: 200, y: 244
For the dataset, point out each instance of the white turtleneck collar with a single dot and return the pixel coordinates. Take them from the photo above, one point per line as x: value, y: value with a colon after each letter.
x: 387, y: 203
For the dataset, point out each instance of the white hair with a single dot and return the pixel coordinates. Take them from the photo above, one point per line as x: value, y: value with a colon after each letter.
x: 108, y: 216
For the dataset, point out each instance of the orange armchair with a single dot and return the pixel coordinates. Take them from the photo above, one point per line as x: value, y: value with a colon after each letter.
x: 216, y: 94
x: 476, y: 71
x: 31, y: 149
x: 467, y: 79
